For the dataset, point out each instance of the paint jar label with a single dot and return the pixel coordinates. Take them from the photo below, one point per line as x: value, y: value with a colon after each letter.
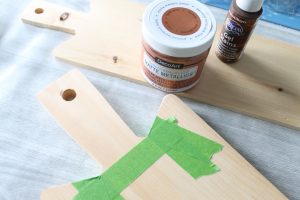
x: 173, y: 72
x: 171, y: 76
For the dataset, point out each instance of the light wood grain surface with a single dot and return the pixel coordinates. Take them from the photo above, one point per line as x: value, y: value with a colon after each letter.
x: 91, y: 121
x: 264, y: 84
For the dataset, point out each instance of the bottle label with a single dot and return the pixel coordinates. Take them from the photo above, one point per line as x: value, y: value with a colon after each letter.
x: 234, y: 36
x: 234, y: 27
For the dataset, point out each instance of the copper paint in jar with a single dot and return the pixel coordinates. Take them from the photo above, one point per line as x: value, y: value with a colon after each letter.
x: 177, y: 36
x: 181, y: 21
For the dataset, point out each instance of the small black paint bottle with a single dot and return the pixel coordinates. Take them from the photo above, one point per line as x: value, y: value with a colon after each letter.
x: 237, y: 29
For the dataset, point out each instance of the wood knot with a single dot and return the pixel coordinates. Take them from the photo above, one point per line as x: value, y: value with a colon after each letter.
x: 64, y: 16
x: 280, y: 89
x: 115, y: 59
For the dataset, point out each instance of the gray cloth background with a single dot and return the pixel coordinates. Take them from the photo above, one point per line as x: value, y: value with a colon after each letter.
x: 36, y: 153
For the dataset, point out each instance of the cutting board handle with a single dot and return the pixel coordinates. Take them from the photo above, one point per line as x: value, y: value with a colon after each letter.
x: 48, y: 15
x: 88, y: 118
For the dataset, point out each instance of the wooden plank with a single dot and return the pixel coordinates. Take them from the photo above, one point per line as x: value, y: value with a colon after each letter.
x: 264, y: 83
x: 91, y: 121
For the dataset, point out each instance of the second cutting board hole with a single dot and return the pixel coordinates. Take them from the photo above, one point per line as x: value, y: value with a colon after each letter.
x: 39, y: 10
x: 68, y: 95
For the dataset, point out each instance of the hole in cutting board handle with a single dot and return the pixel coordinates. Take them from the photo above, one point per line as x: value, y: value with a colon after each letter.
x: 68, y: 95
x: 39, y: 10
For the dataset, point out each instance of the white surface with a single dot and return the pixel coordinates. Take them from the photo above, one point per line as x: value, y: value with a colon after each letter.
x: 249, y: 5
x: 36, y: 153
x: 162, y: 40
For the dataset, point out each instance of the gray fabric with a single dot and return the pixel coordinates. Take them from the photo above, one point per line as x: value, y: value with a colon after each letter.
x: 36, y: 153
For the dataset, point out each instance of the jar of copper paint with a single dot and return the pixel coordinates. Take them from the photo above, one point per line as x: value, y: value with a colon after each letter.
x: 177, y: 36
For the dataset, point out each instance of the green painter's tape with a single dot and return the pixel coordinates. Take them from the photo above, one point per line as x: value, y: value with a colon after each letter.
x: 190, y: 150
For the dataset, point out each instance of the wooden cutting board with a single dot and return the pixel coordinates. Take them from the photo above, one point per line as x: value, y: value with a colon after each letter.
x: 265, y: 83
x: 91, y: 121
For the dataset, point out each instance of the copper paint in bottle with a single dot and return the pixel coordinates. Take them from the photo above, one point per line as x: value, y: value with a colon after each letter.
x: 237, y: 29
